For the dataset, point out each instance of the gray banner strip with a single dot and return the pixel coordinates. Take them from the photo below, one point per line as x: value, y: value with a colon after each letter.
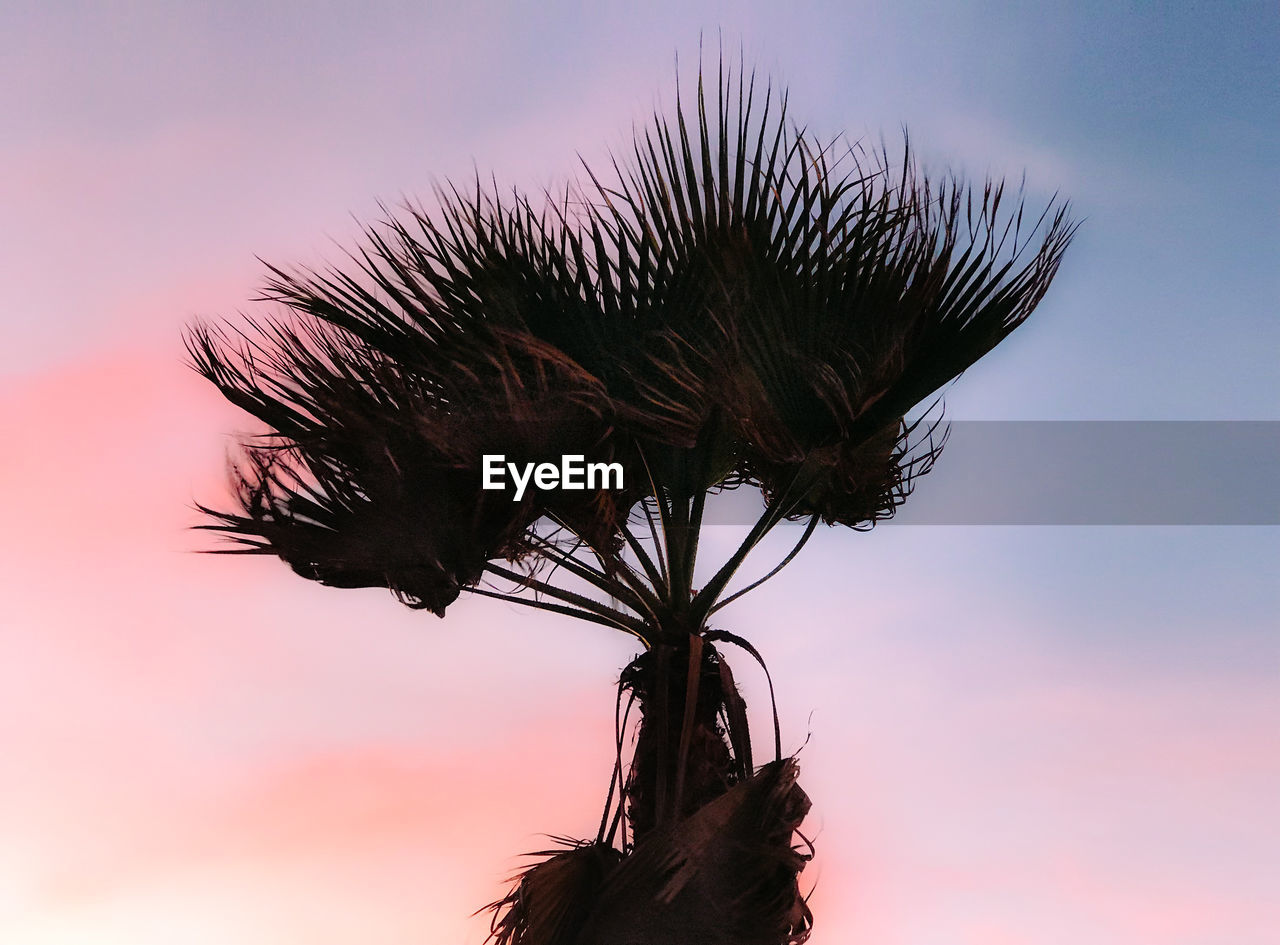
x: 1061, y: 472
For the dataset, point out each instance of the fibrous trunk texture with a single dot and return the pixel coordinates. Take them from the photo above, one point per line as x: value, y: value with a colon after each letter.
x: 711, y: 855
x: 682, y: 760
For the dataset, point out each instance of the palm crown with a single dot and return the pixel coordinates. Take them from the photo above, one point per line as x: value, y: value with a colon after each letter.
x: 729, y: 309
x: 734, y: 305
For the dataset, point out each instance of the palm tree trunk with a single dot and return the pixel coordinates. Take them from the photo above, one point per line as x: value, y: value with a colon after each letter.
x: 713, y: 859
x: 711, y: 856
x: 683, y: 758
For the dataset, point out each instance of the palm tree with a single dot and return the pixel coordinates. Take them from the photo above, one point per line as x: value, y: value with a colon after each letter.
x: 733, y: 306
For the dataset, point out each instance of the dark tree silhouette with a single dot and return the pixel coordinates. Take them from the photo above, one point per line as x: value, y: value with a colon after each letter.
x: 734, y: 305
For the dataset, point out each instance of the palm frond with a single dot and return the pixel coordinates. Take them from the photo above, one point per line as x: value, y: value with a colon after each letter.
x: 727, y: 875
x: 809, y: 294
x: 550, y: 901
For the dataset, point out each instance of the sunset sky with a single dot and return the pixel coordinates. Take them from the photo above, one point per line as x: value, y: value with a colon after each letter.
x: 1041, y: 735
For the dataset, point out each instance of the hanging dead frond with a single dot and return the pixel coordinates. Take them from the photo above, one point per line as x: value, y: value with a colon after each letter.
x: 727, y: 875
x: 551, y: 900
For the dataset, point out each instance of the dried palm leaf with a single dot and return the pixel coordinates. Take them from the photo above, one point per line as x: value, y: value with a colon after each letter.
x: 550, y: 901
x: 727, y: 875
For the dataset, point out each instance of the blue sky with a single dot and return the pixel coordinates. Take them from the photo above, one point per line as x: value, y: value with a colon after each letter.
x: 1160, y: 123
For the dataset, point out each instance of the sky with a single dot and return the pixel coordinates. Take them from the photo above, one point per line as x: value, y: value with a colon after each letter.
x: 1012, y: 735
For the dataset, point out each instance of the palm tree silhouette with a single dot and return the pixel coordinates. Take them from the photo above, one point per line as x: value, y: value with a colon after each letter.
x: 733, y: 306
